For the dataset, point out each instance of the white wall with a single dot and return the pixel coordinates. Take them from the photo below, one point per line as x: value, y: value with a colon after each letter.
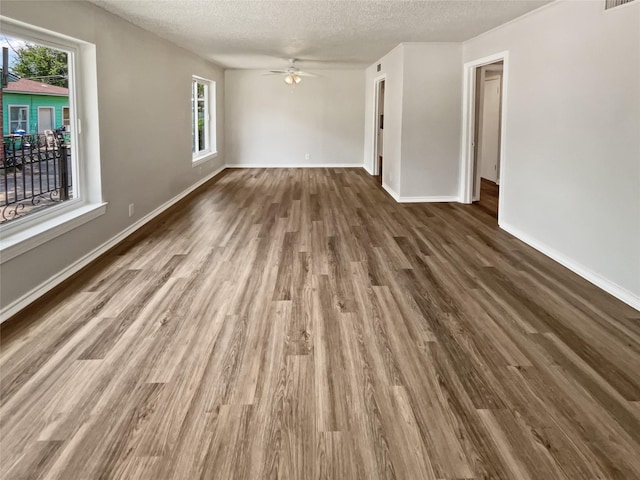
x: 570, y: 174
x: 144, y: 97
x: 269, y: 123
x: 422, y: 120
x: 369, y: 123
x: 392, y: 71
x: 431, y: 121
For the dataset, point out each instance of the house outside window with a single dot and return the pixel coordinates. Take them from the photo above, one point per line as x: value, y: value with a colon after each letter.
x: 203, y: 138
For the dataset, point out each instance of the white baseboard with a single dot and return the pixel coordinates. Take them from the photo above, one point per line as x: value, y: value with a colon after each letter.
x: 367, y: 169
x: 432, y: 199
x: 14, y: 307
x: 391, y: 192
x: 295, y: 165
x: 598, y: 280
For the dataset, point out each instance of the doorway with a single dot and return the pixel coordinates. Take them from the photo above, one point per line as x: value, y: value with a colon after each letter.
x: 483, y: 154
x: 486, y: 190
x: 378, y: 150
x: 46, y: 119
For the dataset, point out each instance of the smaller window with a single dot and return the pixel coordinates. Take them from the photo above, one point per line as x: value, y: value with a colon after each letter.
x: 203, y: 141
x: 66, y: 119
x: 18, y: 118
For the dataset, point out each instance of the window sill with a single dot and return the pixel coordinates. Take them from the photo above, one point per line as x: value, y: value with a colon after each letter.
x: 203, y: 158
x: 17, y: 243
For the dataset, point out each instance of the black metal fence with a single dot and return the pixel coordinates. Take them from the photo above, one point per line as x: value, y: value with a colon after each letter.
x: 35, y: 173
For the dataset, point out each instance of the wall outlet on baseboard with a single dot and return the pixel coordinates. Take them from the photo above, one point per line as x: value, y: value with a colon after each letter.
x: 307, y: 156
x: 131, y: 205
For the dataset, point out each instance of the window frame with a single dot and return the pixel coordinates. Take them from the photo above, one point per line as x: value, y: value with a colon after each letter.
x: 210, y: 151
x: 66, y: 122
x: 26, y: 107
x: 30, y: 231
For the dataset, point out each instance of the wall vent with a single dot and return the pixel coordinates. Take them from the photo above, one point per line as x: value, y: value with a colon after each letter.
x: 615, y: 3
x: 379, y: 67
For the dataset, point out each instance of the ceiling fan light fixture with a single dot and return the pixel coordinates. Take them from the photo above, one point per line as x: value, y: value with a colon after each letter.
x: 292, y: 79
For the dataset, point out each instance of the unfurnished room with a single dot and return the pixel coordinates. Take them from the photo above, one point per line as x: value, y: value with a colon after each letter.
x: 309, y: 239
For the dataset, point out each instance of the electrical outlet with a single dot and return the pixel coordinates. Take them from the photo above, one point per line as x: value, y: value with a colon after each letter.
x: 307, y: 156
x: 131, y: 209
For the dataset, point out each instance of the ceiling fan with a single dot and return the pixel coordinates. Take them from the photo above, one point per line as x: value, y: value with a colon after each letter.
x: 292, y: 74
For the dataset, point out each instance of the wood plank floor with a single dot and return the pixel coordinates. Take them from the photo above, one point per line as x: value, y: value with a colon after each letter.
x: 489, y: 194
x: 300, y: 324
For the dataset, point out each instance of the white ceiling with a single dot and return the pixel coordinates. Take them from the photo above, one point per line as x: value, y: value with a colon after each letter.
x: 322, y: 34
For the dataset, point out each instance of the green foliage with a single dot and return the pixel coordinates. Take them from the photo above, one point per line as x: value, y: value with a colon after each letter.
x: 42, y: 64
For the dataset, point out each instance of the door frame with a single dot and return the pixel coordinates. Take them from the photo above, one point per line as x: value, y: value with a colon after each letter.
x: 376, y: 120
x: 468, y: 125
x: 53, y: 118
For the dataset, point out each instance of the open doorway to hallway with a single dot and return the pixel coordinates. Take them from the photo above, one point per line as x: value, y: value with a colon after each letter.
x: 487, y: 136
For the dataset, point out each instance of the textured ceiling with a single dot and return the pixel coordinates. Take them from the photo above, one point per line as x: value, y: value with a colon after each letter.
x: 322, y: 34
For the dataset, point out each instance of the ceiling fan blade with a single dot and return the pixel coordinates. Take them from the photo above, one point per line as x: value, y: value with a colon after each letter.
x: 292, y: 70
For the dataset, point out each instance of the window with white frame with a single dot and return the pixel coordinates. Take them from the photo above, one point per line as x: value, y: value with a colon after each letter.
x: 18, y: 118
x: 203, y: 137
x: 38, y: 171
x: 46, y: 188
x: 66, y: 117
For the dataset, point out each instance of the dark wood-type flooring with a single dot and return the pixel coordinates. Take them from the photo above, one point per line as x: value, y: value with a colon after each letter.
x: 300, y: 324
x: 489, y: 193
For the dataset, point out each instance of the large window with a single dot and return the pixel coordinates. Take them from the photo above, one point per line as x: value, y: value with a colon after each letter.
x: 39, y: 167
x: 46, y: 188
x: 203, y: 137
